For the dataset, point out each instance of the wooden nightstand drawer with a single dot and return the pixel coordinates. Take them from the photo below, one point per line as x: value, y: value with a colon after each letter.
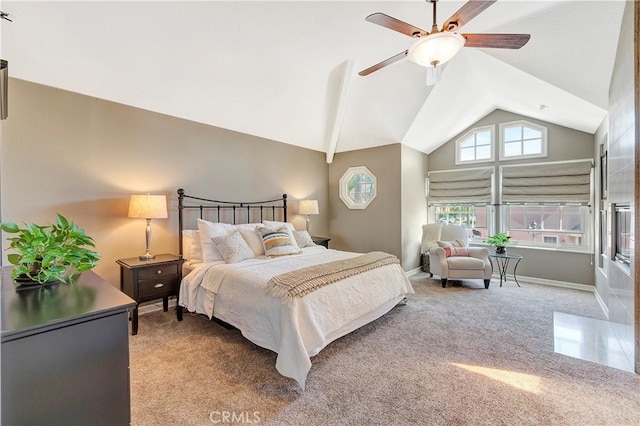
x: 157, y: 286
x: 157, y: 271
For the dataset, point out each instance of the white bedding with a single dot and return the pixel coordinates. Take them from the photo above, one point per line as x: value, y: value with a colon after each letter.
x: 235, y: 293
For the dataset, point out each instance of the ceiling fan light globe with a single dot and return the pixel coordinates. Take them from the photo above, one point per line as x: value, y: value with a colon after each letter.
x: 435, y: 49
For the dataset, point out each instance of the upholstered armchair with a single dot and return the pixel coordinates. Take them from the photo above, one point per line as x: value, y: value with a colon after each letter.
x: 449, y: 256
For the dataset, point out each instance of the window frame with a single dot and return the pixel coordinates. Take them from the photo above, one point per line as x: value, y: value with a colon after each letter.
x: 586, y: 236
x: 463, y: 138
x: 344, y: 188
x: 473, y: 239
x: 523, y: 123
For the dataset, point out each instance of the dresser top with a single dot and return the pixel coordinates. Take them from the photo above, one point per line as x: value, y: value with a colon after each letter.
x: 30, y: 311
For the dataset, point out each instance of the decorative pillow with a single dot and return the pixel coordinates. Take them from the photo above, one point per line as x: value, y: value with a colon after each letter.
x: 209, y: 230
x: 232, y: 247
x: 454, y: 243
x: 254, y: 241
x: 455, y: 251
x: 303, y: 239
x: 274, y: 224
x: 277, y: 242
x: 286, y: 225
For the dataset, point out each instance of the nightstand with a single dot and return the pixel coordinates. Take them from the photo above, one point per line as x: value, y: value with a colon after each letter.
x: 146, y: 280
x: 321, y: 241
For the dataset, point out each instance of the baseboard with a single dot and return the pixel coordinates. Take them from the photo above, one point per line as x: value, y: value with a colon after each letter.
x: 603, y: 306
x: 154, y: 306
x: 413, y: 271
x: 554, y: 283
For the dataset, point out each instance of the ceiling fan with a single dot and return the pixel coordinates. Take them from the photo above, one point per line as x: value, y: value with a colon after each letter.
x: 435, y: 48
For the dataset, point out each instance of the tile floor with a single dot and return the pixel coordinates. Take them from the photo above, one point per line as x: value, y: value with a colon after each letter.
x: 589, y: 339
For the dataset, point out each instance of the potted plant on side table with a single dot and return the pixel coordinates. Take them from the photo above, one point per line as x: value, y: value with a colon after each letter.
x: 500, y: 241
x: 49, y: 253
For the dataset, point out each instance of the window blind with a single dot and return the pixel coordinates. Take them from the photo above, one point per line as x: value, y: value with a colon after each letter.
x: 565, y: 181
x: 460, y: 186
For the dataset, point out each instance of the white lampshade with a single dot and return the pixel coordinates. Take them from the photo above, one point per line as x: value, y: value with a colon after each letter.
x: 436, y: 49
x: 148, y: 206
x: 308, y: 207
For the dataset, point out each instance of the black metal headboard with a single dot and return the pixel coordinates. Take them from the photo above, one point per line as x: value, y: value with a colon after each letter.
x: 218, y: 210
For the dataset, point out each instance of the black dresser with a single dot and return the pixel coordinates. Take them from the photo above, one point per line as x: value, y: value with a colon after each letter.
x: 65, y: 353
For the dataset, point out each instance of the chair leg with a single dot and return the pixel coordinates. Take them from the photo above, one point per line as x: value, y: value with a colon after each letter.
x: 444, y: 283
x: 486, y: 283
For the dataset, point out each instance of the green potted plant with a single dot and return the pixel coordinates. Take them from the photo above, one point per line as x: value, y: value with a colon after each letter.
x: 500, y: 241
x: 49, y: 253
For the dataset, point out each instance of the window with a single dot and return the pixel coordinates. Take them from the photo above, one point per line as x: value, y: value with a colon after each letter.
x: 475, y: 146
x: 357, y: 187
x: 521, y: 139
x: 475, y: 218
x: 623, y: 242
x: 548, y: 225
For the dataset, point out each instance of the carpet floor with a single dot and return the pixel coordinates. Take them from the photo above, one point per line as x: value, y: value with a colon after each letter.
x: 456, y: 356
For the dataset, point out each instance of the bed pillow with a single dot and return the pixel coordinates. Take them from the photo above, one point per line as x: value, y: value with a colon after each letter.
x: 455, y: 251
x: 277, y: 242
x: 272, y: 224
x: 191, y: 249
x: 303, y: 239
x: 254, y: 240
x: 209, y: 230
x: 187, y: 241
x: 232, y: 247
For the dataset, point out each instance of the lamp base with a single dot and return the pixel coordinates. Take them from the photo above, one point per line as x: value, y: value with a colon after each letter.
x: 147, y: 256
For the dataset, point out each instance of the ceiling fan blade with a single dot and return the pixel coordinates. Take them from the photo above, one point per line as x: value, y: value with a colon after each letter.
x: 384, y: 63
x: 394, y: 24
x: 466, y: 13
x: 503, y: 41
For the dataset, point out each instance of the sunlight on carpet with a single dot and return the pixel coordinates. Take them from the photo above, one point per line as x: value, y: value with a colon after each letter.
x: 525, y: 382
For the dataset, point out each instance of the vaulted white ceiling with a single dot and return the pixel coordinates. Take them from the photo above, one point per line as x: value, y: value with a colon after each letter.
x: 285, y: 70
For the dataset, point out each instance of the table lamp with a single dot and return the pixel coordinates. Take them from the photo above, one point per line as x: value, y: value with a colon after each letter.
x: 308, y: 207
x: 148, y: 207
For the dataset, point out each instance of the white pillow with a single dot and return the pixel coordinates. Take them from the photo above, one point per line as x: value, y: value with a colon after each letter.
x: 209, y: 230
x: 187, y: 241
x: 254, y: 241
x: 277, y: 242
x: 232, y: 247
x: 303, y: 239
x: 191, y: 249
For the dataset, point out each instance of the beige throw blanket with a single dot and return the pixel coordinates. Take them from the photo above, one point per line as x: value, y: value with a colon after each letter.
x: 303, y: 281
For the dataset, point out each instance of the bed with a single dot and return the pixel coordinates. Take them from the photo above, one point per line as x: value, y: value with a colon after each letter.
x: 293, y: 303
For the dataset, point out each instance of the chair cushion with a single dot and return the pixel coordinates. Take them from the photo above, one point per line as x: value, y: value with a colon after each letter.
x: 463, y: 262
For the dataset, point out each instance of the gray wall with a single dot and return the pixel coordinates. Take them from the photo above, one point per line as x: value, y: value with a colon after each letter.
x: 615, y: 284
x: 563, y: 144
x: 414, y: 205
x: 82, y: 157
x: 378, y: 227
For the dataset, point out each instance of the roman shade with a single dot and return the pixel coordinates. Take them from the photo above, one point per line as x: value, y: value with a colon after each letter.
x: 564, y: 181
x: 460, y: 186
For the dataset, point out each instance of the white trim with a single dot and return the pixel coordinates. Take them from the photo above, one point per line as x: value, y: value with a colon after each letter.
x: 522, y: 123
x: 413, y: 272
x: 603, y: 306
x: 492, y: 143
x: 543, y: 281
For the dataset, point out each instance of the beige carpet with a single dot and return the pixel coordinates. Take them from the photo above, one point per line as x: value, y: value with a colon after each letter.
x: 455, y: 356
